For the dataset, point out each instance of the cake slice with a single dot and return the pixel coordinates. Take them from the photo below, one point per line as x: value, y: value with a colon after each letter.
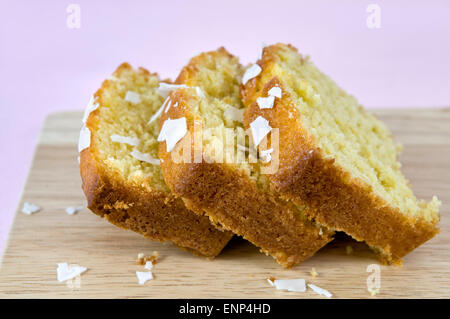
x: 336, y: 158
x: 207, y: 161
x: 121, y: 172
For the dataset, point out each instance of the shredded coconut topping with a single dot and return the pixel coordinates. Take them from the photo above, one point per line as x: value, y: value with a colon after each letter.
x: 158, y: 113
x: 132, y: 97
x: 124, y: 139
x: 85, y: 139
x: 164, y: 89
x: 275, y: 91
x: 265, y: 102
x: 92, y: 106
x: 260, y: 128
x: 144, y: 157
x: 172, y: 131
x: 66, y: 272
x: 320, y: 291
x: 29, y: 208
x: 169, y: 103
x: 250, y: 73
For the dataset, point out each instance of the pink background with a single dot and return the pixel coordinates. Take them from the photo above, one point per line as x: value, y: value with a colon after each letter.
x: 47, y: 67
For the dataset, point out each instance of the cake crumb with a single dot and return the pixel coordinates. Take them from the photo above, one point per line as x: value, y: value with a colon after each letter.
x: 142, y: 259
x: 349, y: 250
x: 374, y: 292
x: 314, y: 273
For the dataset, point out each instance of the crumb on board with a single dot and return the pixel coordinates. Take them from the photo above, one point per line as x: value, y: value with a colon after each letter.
x: 314, y: 273
x: 349, y: 249
x: 142, y: 259
x: 374, y: 291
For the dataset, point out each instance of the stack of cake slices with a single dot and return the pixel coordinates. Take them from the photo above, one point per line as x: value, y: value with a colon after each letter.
x: 274, y: 152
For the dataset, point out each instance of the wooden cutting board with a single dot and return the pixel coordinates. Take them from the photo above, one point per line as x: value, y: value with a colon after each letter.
x: 40, y: 241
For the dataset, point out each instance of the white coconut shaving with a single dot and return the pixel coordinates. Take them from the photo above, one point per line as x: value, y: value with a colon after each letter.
x: 72, y: 210
x: 29, y: 208
x: 172, y: 131
x: 125, y: 140
x: 320, y: 291
x: 148, y: 265
x: 92, y: 106
x: 294, y: 285
x: 158, y: 113
x: 275, y: 91
x: 263, y: 45
x: 265, y: 102
x: 132, y: 97
x: 199, y: 92
x: 144, y: 157
x: 250, y: 73
x: 164, y: 89
x: 234, y: 114
x: 144, y: 276
x: 266, y: 155
x: 176, y: 104
x: 66, y: 272
x: 169, y: 103
x: 260, y: 128
x: 84, y: 140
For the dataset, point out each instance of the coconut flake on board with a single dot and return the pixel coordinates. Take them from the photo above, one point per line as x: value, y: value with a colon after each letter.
x: 144, y: 157
x: 125, y: 140
x: 172, y: 131
x: 132, y: 97
x: 294, y: 285
x: 320, y: 291
x: 250, y: 73
x: 72, y: 210
x: 260, y: 128
x: 66, y: 272
x: 144, y: 276
x: 30, y: 208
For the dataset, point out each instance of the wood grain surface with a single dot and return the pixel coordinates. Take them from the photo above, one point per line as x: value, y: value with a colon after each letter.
x: 38, y: 242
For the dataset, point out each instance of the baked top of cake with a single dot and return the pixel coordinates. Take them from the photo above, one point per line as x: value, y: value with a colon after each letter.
x: 211, y: 167
x: 335, y: 157
x: 121, y: 171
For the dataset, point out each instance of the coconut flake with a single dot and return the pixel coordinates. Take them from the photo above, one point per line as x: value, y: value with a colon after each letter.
x: 92, y: 106
x: 132, y: 97
x: 148, y: 265
x: 234, y: 113
x: 164, y: 89
x: 250, y: 73
x: 158, y: 113
x: 168, y: 105
x: 320, y: 291
x: 172, y: 131
x: 176, y: 104
x: 294, y: 285
x: 265, y: 102
x: 260, y: 128
x: 29, y: 208
x: 72, y: 210
x: 199, y: 92
x: 124, y: 139
x: 144, y: 276
x: 144, y: 157
x: 85, y: 139
x: 275, y: 91
x: 266, y: 154
x: 66, y: 272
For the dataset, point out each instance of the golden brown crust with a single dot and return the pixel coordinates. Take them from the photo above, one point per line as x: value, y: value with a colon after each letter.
x: 154, y: 214
x: 334, y: 198
x: 231, y: 199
